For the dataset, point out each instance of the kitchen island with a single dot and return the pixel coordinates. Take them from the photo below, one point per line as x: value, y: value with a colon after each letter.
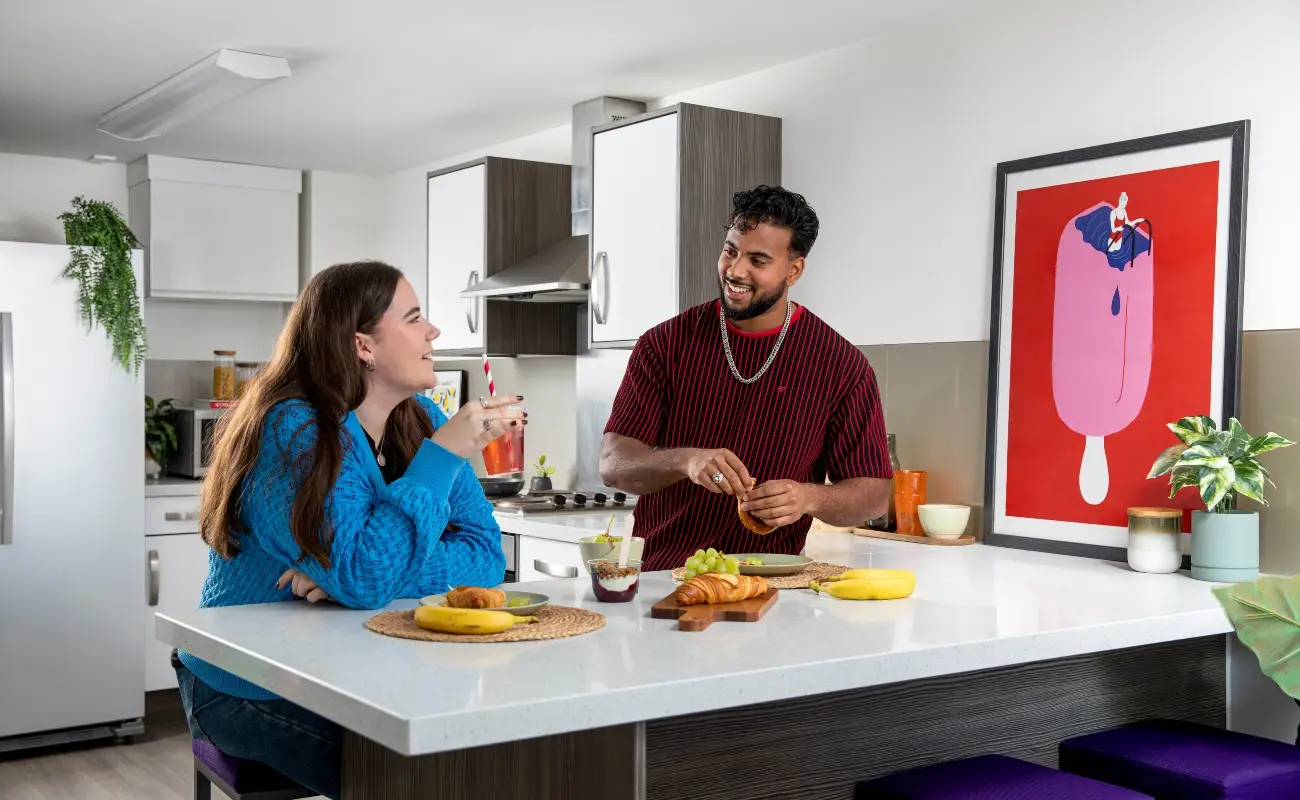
x: 998, y: 650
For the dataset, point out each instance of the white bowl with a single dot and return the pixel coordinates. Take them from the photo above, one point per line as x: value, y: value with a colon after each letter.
x: 943, y: 521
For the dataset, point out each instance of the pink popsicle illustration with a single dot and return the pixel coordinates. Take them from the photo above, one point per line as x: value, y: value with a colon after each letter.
x: 1101, y: 331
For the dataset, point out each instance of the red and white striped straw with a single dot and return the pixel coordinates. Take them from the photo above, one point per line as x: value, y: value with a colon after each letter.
x: 487, y: 370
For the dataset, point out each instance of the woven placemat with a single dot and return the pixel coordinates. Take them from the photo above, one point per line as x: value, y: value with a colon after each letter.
x: 553, y: 622
x: 800, y: 580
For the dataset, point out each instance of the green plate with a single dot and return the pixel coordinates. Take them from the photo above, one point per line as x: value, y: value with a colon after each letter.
x: 535, y: 601
x: 773, y: 564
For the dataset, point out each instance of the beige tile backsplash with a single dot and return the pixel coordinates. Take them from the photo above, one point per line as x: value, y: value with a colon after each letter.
x: 934, y: 398
x: 1270, y: 401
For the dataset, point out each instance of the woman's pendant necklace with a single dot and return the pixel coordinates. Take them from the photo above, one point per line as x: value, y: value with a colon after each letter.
x: 379, y: 453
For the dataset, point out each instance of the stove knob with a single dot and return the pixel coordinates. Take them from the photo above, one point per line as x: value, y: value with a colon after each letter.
x: 619, y: 498
x: 579, y: 499
x: 600, y: 498
x: 558, y: 501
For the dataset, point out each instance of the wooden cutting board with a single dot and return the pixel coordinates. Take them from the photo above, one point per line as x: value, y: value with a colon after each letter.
x: 698, y: 617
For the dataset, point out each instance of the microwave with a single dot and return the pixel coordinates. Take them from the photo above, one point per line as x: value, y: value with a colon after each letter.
x: 194, y: 429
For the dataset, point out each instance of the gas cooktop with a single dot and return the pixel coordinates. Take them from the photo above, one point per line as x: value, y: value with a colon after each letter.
x: 563, y: 502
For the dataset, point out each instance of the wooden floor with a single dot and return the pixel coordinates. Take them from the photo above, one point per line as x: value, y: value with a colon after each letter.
x: 156, y: 766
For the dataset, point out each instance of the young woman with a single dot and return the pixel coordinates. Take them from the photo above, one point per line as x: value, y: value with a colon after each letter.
x: 334, y: 475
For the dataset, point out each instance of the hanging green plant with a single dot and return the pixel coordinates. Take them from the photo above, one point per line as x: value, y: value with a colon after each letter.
x: 101, y: 264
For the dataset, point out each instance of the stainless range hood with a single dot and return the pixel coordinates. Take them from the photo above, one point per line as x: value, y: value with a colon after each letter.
x: 559, y: 273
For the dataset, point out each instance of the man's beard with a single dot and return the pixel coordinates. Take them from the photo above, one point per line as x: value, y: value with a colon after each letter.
x: 759, y: 304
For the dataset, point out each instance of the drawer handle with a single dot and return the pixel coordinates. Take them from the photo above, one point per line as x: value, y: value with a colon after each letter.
x: 177, y: 516
x: 153, y: 577
x: 554, y: 570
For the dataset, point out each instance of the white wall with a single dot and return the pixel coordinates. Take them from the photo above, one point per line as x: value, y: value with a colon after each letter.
x: 895, y: 142
x: 35, y: 190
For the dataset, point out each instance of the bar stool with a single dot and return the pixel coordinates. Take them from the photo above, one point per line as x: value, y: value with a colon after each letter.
x: 989, y: 776
x: 239, y: 779
x: 1184, y: 761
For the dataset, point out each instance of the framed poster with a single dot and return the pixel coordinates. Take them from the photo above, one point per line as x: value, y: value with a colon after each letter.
x: 1116, y: 309
x: 449, y: 394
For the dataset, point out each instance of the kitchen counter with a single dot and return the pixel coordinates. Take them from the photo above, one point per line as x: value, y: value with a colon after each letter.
x: 561, y: 526
x: 173, y: 487
x: 975, y: 608
x: 558, y: 526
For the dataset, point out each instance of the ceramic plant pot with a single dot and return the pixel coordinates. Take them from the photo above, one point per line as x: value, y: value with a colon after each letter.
x: 1225, y: 547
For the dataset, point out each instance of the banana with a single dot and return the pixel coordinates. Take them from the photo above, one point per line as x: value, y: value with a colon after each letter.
x: 475, y: 621
x: 870, y: 574
x: 894, y: 586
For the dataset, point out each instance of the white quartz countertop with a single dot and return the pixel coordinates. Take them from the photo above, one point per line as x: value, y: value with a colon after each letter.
x: 557, y: 525
x: 561, y: 526
x: 974, y: 608
x: 173, y: 487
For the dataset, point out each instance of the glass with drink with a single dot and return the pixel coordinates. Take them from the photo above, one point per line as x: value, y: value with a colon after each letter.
x: 505, y: 454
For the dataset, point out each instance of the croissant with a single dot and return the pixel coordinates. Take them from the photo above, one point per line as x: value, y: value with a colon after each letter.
x: 750, y: 521
x: 476, y: 597
x: 717, y: 587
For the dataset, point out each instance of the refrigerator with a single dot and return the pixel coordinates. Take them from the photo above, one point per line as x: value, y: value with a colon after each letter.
x: 72, y: 577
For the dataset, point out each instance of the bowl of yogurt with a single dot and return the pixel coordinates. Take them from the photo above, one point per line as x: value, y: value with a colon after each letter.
x: 612, y: 583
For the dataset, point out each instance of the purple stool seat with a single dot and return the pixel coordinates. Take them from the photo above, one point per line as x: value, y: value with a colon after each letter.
x: 1181, y: 760
x: 239, y: 779
x: 990, y: 777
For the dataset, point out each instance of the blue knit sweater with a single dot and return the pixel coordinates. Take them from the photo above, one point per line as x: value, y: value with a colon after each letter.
x: 390, y: 540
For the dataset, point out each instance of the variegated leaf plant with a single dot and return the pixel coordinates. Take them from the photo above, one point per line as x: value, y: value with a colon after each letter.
x: 1216, y: 462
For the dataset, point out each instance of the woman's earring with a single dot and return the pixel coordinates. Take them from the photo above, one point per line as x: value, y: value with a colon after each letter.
x: 370, y: 365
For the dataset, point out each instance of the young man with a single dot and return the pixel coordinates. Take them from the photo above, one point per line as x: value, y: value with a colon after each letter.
x: 750, y: 386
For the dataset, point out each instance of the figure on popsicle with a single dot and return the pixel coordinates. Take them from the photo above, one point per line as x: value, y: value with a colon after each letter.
x: 1102, y: 331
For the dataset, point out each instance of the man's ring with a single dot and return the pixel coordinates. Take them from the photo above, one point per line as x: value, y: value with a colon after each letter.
x: 717, y: 477
x: 487, y: 424
x: 483, y: 402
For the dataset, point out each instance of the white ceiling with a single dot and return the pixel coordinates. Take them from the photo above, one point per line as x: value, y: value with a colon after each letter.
x: 387, y: 84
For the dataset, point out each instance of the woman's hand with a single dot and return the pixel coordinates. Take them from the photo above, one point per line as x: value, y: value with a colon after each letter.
x: 303, y: 586
x: 479, y: 422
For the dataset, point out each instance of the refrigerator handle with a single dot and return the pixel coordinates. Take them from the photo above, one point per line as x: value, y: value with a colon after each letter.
x: 6, y: 428
x: 153, y: 577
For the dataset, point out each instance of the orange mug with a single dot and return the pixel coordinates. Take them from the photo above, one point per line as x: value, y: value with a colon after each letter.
x: 909, y: 492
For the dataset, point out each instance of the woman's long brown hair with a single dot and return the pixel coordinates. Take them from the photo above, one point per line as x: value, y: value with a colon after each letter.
x: 316, y: 361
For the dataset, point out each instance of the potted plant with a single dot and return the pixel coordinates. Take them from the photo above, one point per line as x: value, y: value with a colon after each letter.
x: 101, y: 246
x: 159, y: 435
x: 1220, y: 464
x: 541, y: 482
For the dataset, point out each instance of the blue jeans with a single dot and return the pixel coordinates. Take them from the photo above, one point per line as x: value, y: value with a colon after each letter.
x: 293, y: 741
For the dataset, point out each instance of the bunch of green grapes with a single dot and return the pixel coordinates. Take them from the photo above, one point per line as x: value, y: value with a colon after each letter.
x: 711, y: 561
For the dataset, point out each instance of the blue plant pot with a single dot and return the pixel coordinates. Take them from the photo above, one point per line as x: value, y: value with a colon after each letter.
x: 1225, y: 547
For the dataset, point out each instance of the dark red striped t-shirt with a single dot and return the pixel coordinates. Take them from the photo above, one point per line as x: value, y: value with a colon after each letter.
x: 815, y: 412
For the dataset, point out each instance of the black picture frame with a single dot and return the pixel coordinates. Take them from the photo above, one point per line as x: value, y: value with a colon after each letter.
x: 1238, y: 133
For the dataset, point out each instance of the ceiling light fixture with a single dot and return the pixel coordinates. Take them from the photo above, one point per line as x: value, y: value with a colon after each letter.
x: 216, y: 79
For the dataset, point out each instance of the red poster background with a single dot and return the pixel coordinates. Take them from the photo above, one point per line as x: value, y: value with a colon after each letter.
x: 1043, y: 455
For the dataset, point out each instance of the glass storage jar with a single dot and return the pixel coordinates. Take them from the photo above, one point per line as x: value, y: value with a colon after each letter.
x: 223, y: 374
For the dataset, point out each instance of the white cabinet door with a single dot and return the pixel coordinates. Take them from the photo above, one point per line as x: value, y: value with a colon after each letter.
x: 175, y: 568
x: 457, y: 230
x: 541, y: 559
x: 211, y: 242
x: 633, y: 229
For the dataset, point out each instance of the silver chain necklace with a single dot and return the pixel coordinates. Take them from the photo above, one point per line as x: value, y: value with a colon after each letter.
x: 726, y: 343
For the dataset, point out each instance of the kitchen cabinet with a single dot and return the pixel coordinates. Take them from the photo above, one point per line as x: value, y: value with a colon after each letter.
x: 483, y: 216
x: 176, y: 566
x: 214, y: 230
x: 540, y: 559
x: 661, y: 193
